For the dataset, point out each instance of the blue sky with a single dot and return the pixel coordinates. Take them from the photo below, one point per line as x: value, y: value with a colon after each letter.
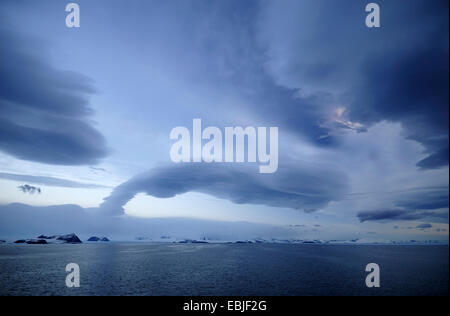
x: 362, y: 113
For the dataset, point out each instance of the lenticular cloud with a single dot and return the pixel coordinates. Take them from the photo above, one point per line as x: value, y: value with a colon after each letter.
x: 306, y: 187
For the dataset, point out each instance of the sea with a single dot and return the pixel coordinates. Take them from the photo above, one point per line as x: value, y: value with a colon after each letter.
x: 148, y: 269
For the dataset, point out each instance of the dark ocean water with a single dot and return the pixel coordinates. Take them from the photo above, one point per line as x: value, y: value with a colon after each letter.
x: 227, y: 269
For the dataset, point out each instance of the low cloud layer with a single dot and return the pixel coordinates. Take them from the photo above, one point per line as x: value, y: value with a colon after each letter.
x: 24, y: 221
x: 45, y: 112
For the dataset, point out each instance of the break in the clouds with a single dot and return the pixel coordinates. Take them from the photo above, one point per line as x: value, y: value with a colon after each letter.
x: 30, y: 189
x: 297, y: 186
x: 44, y: 111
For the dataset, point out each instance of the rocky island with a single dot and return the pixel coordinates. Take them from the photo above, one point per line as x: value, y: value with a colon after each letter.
x: 95, y: 239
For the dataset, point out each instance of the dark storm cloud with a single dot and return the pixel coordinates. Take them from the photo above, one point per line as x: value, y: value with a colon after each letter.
x: 411, y: 89
x: 44, y: 111
x: 234, y: 59
x: 414, y: 204
x: 26, y: 188
x: 410, y: 84
x: 425, y: 199
x: 386, y: 215
x: 424, y: 226
x: 397, y: 73
x: 304, y: 187
x: 401, y: 214
x: 48, y: 181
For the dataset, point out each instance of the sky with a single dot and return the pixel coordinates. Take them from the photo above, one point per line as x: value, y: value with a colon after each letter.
x: 86, y: 114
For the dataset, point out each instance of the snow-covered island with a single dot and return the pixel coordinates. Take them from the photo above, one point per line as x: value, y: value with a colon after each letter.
x: 55, y: 239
